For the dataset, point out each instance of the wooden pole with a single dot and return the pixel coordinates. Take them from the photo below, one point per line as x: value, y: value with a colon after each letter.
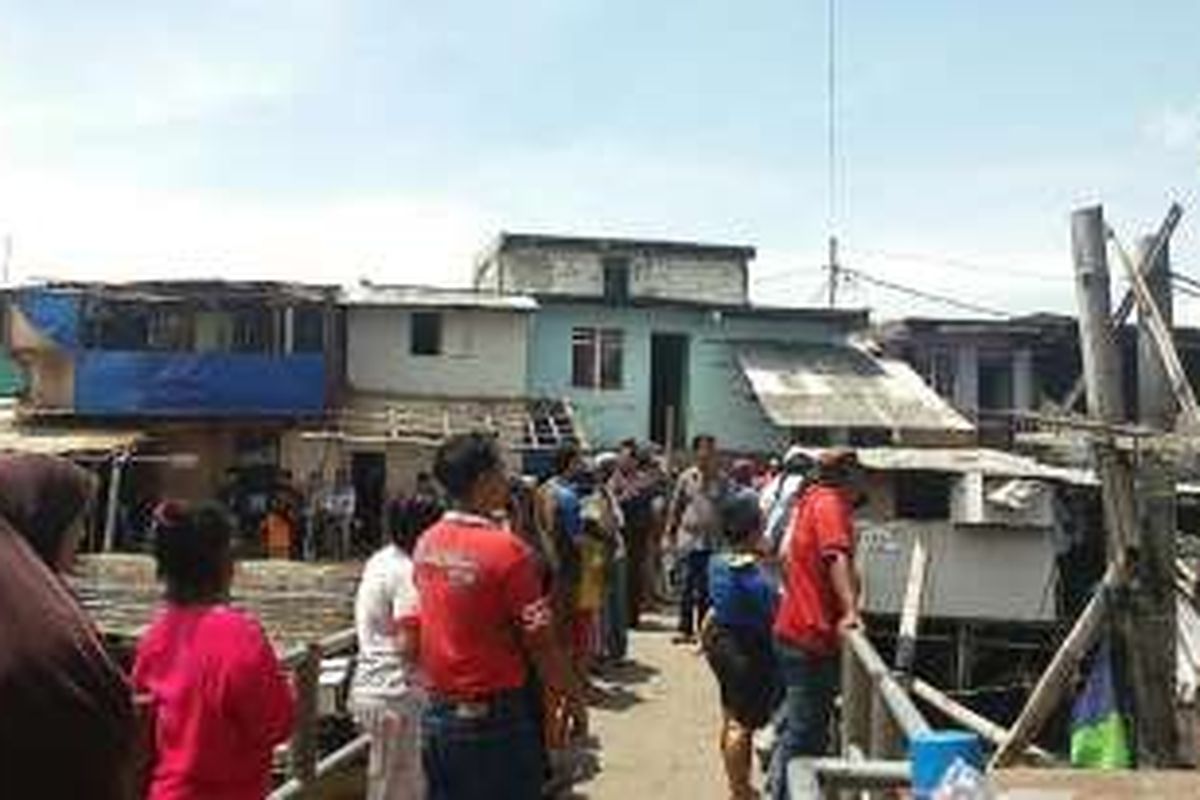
x: 1174, y: 214
x: 304, y: 740
x: 906, y: 645
x: 856, y: 703
x: 969, y: 719
x: 113, y: 501
x: 1057, y: 677
x: 1102, y: 374
x: 1153, y: 629
x: 1167, y: 376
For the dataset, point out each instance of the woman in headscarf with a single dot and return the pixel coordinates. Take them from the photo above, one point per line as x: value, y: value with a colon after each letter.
x: 67, y: 727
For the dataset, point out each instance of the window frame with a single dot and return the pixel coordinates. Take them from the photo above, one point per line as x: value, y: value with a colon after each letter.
x: 598, y: 358
x: 428, y: 349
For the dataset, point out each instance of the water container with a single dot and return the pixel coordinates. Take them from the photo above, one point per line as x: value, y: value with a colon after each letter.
x: 933, y: 753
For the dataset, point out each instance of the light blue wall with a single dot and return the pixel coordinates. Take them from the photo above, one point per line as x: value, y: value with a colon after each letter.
x: 719, y: 397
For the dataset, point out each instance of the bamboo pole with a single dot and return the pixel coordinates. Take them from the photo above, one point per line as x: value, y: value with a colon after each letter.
x: 969, y: 719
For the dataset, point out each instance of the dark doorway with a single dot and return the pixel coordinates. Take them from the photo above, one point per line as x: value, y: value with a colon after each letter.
x: 668, y: 387
x: 368, y: 471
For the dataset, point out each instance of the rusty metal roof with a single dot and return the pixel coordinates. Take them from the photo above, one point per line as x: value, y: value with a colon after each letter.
x: 842, y: 386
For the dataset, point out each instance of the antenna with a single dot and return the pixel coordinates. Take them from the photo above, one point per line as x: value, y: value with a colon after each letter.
x: 831, y: 154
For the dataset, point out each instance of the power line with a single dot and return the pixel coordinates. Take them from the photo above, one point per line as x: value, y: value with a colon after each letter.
x: 960, y: 264
x: 924, y: 295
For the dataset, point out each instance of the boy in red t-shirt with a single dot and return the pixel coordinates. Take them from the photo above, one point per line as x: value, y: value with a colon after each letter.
x: 820, y: 603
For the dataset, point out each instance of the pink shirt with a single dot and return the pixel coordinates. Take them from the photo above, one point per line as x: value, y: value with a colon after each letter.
x: 221, y: 700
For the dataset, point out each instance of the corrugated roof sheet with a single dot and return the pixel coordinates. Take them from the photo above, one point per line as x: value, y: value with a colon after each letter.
x: 430, y: 297
x: 16, y: 438
x: 964, y: 460
x: 842, y: 386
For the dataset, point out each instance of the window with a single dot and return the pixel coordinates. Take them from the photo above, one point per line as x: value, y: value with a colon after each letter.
x: 616, y: 280
x: 308, y: 330
x: 995, y: 382
x: 253, y: 330
x: 169, y: 329
x: 597, y: 358
x: 922, y: 495
x: 425, y: 334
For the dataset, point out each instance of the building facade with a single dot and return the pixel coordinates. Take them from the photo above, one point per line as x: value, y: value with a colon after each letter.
x: 659, y: 341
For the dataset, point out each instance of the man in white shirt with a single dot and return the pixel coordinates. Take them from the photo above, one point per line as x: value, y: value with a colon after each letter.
x: 386, y: 698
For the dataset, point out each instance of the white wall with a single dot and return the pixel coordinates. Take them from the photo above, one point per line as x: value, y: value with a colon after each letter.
x: 483, y: 353
x: 581, y: 273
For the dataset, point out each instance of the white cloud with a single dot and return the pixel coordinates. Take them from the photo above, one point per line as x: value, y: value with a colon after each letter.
x: 65, y: 227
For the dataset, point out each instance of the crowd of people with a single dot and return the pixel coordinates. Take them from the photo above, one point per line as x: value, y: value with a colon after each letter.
x: 482, y: 624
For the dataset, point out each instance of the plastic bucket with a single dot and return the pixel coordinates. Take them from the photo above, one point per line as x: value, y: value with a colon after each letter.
x: 933, y: 753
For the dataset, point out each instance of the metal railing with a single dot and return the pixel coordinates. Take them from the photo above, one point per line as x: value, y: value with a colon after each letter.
x: 878, y: 716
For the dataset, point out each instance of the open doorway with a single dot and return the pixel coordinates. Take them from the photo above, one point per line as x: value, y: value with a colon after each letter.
x: 368, y: 471
x: 668, y: 388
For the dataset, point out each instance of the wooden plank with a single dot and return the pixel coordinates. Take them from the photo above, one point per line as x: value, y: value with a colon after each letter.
x: 1057, y: 676
x: 906, y: 645
x: 856, y: 703
x: 305, y: 745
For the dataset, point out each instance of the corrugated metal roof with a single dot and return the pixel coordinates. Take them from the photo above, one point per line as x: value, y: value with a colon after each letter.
x: 964, y: 460
x: 16, y: 438
x: 842, y: 386
x: 430, y: 297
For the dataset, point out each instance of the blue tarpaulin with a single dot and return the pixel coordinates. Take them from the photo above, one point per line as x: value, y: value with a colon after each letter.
x: 209, y: 384
x: 55, y: 315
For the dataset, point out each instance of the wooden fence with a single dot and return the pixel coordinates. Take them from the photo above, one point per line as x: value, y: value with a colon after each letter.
x: 307, y: 771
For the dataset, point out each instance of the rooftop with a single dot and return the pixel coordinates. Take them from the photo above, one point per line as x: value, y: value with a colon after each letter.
x: 507, y: 241
x: 378, y: 295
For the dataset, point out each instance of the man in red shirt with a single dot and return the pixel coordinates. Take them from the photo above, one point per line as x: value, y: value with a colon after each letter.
x: 820, y: 603
x: 483, y: 617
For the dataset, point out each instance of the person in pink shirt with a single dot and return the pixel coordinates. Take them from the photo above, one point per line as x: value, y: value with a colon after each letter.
x: 221, y: 699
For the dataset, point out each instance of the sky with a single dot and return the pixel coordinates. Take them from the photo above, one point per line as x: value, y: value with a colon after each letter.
x: 331, y: 140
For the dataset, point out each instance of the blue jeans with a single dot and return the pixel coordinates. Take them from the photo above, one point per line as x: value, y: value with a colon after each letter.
x: 693, y: 600
x: 469, y: 755
x: 802, y: 729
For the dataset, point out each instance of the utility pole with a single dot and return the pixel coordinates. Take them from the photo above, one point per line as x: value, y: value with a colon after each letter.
x: 834, y: 271
x: 1152, y: 628
x: 1102, y: 375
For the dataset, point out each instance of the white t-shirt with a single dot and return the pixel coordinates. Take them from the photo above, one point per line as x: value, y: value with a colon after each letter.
x: 386, y: 593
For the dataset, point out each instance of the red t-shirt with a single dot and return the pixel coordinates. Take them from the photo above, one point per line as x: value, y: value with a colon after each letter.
x: 221, y: 703
x: 480, y: 593
x: 823, y: 524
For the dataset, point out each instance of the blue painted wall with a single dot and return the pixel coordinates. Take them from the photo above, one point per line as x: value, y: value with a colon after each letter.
x: 111, y: 382
x: 719, y: 400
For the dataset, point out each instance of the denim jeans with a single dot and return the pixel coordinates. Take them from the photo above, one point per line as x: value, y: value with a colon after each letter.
x: 693, y: 600
x: 496, y: 754
x: 802, y: 728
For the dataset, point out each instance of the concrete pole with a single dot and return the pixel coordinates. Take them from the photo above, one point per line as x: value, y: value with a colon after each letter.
x: 1152, y: 645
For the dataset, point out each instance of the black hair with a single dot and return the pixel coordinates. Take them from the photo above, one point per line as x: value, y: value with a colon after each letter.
x: 192, y: 548
x: 629, y: 444
x: 463, y: 459
x: 703, y: 438
x: 412, y: 518
x: 566, y: 455
x: 741, y: 518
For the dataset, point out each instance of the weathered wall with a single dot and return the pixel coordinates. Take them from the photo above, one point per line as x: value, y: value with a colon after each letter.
x: 975, y: 572
x: 719, y: 400
x: 483, y: 354
x: 544, y: 271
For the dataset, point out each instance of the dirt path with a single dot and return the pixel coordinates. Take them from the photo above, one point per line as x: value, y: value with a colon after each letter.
x: 657, y: 734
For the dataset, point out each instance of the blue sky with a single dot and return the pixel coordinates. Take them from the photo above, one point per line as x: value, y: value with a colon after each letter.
x: 328, y: 140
